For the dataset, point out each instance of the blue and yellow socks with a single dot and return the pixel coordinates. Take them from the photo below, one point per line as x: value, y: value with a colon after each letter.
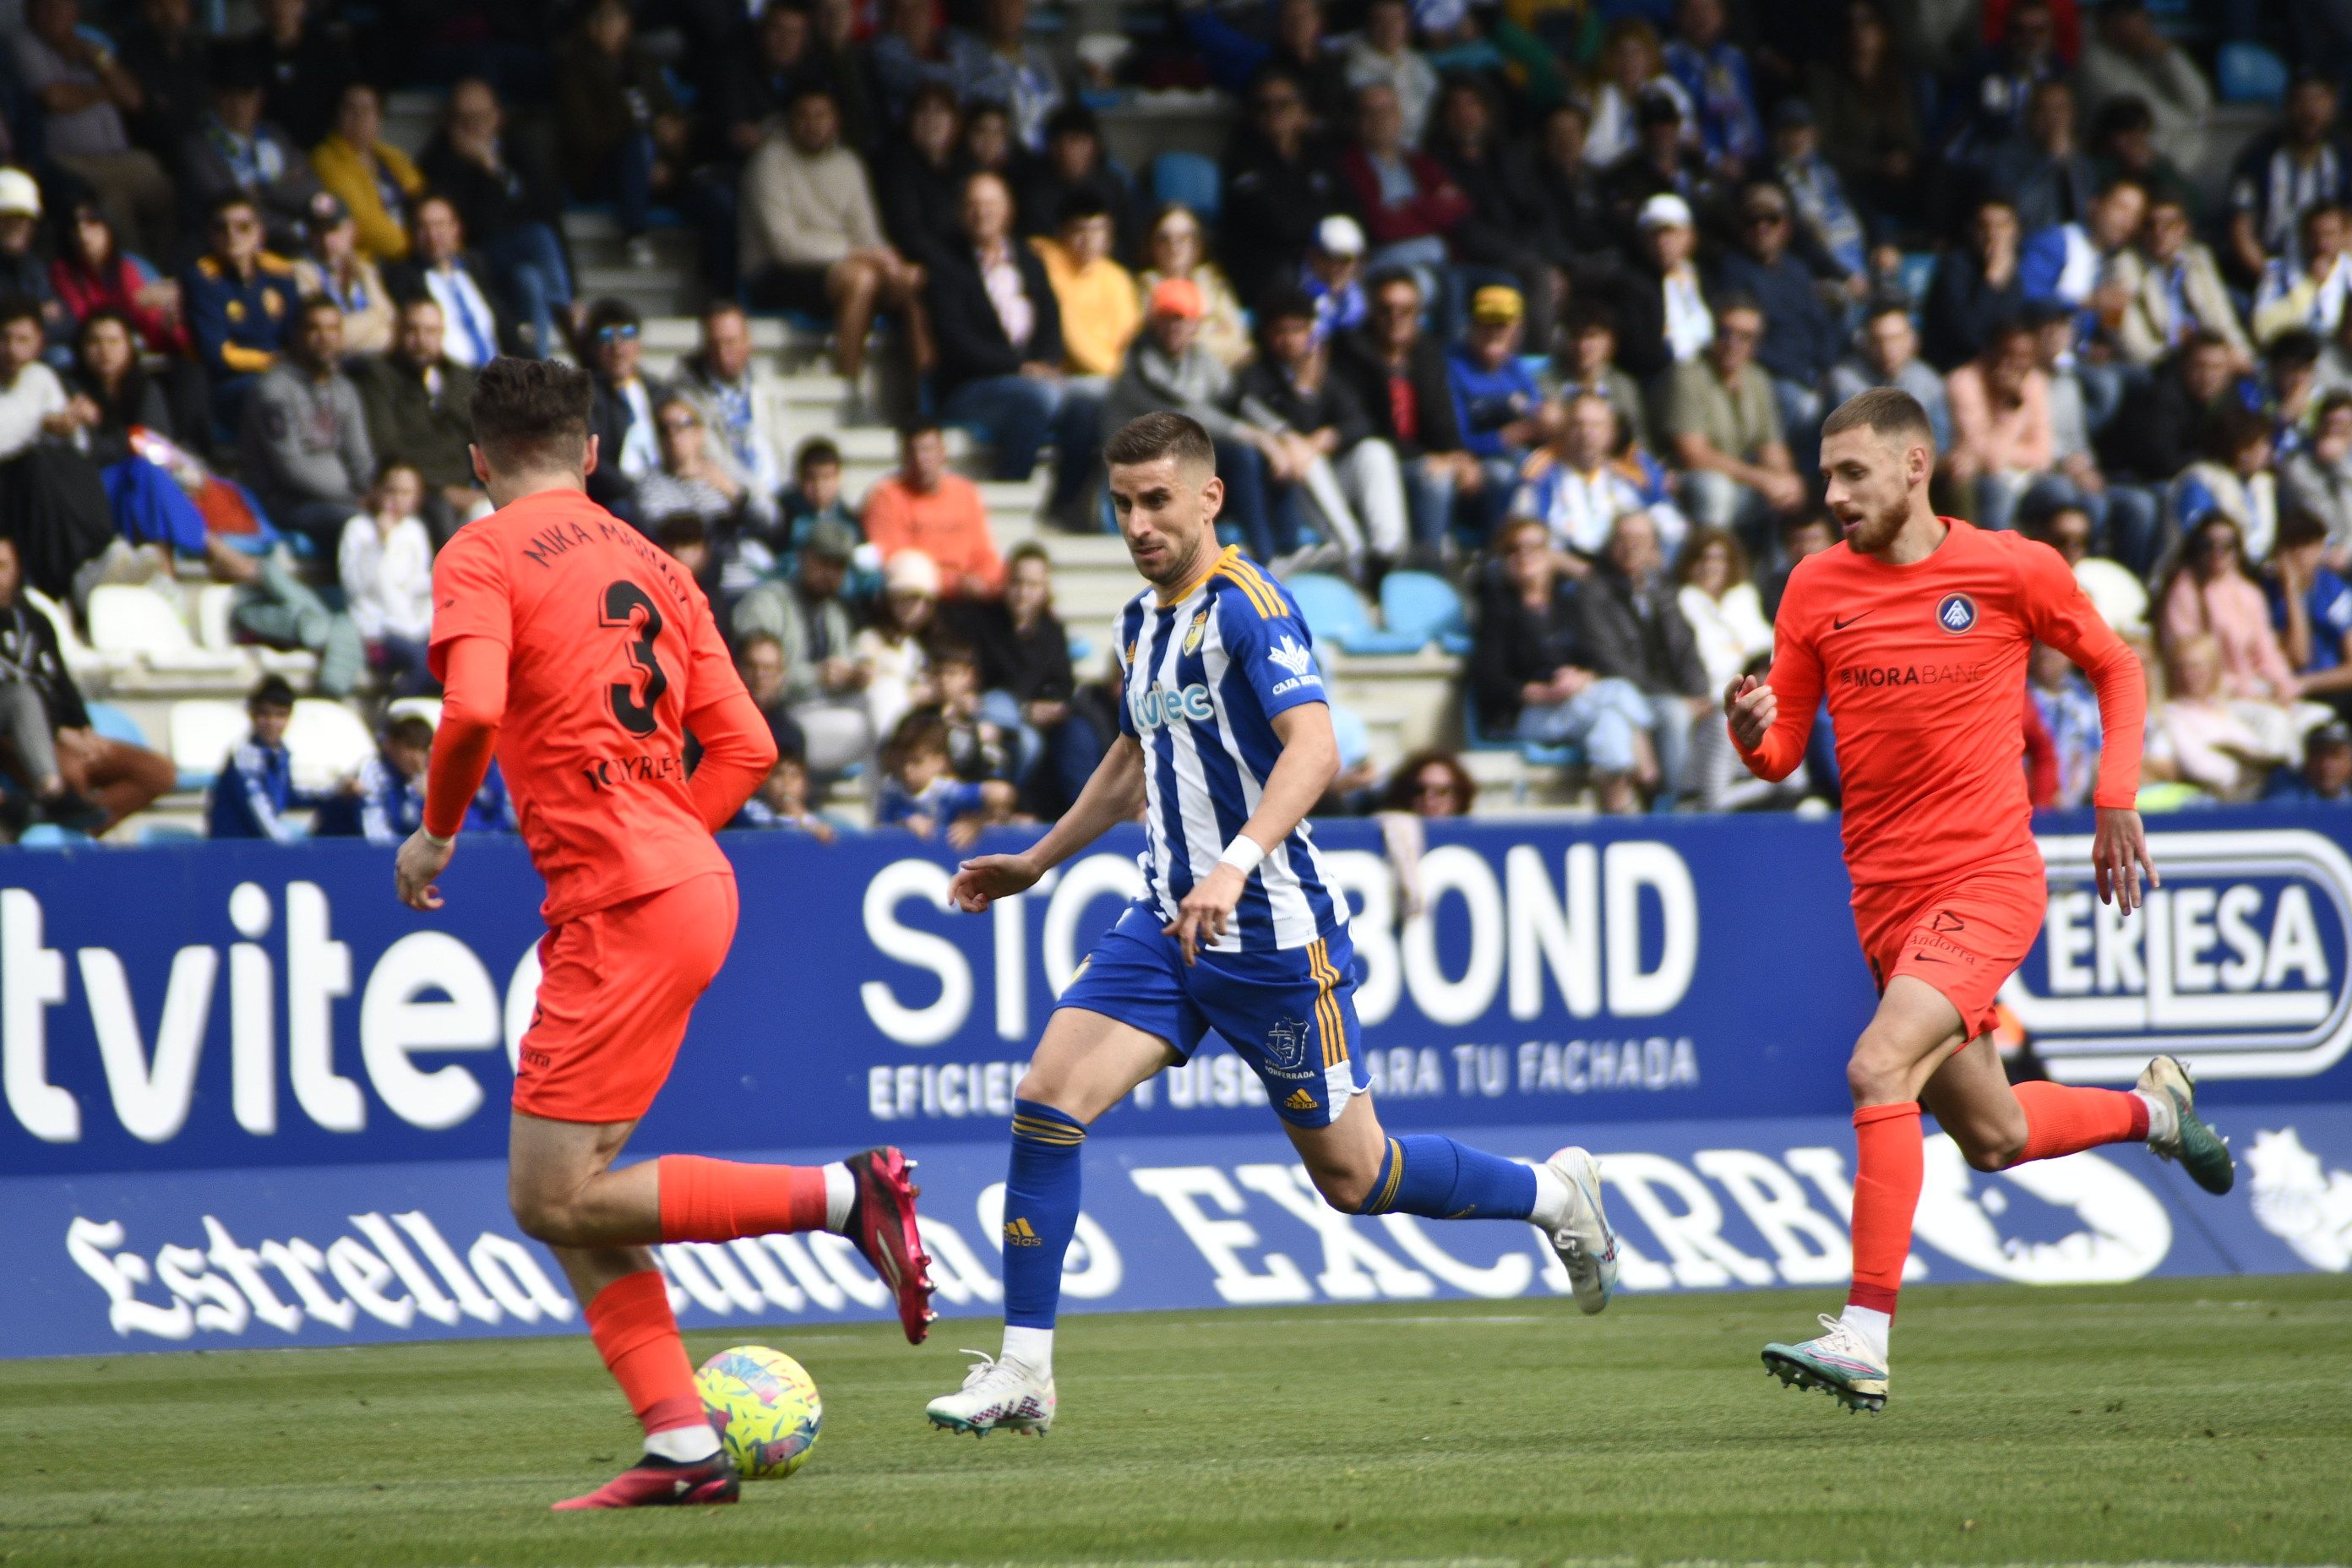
x: 1427, y: 1174
x: 1041, y: 1212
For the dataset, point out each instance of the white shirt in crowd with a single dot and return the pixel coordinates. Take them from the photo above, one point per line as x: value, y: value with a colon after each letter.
x: 471, y: 334
x: 36, y: 394
x: 1730, y: 631
x: 388, y: 578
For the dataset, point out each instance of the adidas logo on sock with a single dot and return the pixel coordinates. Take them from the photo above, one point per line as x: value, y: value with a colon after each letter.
x: 1300, y: 1101
x: 1017, y: 1232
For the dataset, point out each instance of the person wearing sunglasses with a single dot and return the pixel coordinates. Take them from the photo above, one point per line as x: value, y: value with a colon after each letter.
x: 628, y: 440
x: 1723, y: 426
x: 240, y: 304
x: 1801, y: 342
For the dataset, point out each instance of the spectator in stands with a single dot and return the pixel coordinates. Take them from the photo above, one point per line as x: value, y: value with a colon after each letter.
x: 1333, y: 276
x: 304, y: 62
x: 2001, y: 437
x: 2127, y: 516
x: 1025, y: 667
x: 757, y: 80
x: 921, y: 178
x: 979, y: 747
x: 782, y: 803
x: 767, y: 678
x: 120, y: 393
x: 172, y: 61
x: 1496, y: 401
x: 1973, y: 287
x: 1351, y: 480
x: 254, y: 788
x: 1991, y: 101
x: 1407, y: 203
x: 509, y: 206
x: 894, y: 651
x: 693, y: 481
x: 1632, y: 64
x: 240, y: 303
x: 623, y: 134
x: 2325, y: 776
x: 2083, y: 263
x: 2123, y: 147
x: 1075, y: 160
x: 1801, y: 338
x: 1168, y: 369
x: 1174, y: 247
x: 825, y: 680
x: 1000, y: 346
x: 2070, y: 715
x: 1295, y: 49
x: 2125, y: 56
x: 1719, y: 602
x: 1579, y: 227
x: 926, y: 508
x: 1887, y: 353
x: 997, y: 63
x: 1662, y: 163
x: 1506, y: 232
x: 24, y: 258
x: 332, y: 267
x: 386, y: 802
x: 1662, y: 307
x: 1533, y: 674
x: 93, y: 274
x: 628, y: 444
x: 277, y: 609
x: 440, y: 268
x: 813, y: 241
x: 737, y: 397
x: 1712, y: 72
x: 305, y: 442
x: 2197, y: 735
x: 2117, y: 593
x: 417, y: 402
x: 2290, y: 383
x: 2311, y: 611
x: 1631, y: 623
x: 987, y: 144
x: 1866, y: 112
x: 2212, y: 591
x: 77, y: 778
x: 909, y: 53
x: 1724, y: 425
x: 1279, y: 185
x: 2317, y: 477
x: 2232, y: 479
x: 2283, y: 175
x: 921, y: 792
x: 1095, y: 295
x: 2173, y: 289
x: 2157, y: 425
x: 1399, y: 378
x: 373, y: 178
x: 1382, y: 55
x: 385, y: 564
x: 815, y: 497
x: 233, y: 148
x: 83, y: 93
x: 1801, y: 534
x: 33, y: 403
x: 2309, y: 290
x: 1431, y: 783
x: 1578, y: 489
x: 1826, y: 223
x: 1587, y: 367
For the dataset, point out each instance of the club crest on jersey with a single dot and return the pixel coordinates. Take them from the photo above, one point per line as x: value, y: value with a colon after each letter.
x: 1156, y: 705
x: 1956, y: 613
x: 1291, y: 655
x: 1197, y: 630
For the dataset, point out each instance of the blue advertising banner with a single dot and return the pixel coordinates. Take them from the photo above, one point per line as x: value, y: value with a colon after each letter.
x: 221, y: 1050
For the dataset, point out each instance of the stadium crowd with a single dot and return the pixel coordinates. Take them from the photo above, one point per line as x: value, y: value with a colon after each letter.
x: 1544, y: 300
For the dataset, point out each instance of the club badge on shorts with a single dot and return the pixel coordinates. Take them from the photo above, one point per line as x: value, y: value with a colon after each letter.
x: 1956, y: 613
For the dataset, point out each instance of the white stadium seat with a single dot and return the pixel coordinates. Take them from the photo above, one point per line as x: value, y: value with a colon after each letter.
x: 128, y: 620
x: 202, y: 731
x: 80, y: 657
x: 215, y: 601
x: 328, y: 742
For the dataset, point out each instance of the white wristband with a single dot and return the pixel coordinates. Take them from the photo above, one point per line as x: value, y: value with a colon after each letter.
x: 1244, y: 854
x: 436, y: 840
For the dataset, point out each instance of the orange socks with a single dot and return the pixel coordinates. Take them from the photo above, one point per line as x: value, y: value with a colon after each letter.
x: 719, y: 1200
x: 2061, y: 1119
x: 1889, y: 1165
x: 631, y: 1323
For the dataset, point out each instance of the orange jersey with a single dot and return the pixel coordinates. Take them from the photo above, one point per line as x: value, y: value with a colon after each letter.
x: 1925, y: 667
x: 609, y: 648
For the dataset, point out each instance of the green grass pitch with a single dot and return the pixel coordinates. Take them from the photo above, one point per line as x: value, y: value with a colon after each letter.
x: 2188, y: 1421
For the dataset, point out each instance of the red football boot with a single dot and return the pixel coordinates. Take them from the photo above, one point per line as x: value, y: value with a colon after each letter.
x: 882, y: 1224
x: 657, y: 1482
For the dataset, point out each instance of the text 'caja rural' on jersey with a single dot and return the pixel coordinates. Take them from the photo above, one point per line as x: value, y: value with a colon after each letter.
x: 1201, y: 677
x: 610, y: 646
x: 1924, y: 667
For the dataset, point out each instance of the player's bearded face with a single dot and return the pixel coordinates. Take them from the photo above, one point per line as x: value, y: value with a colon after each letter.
x: 1869, y: 493
x: 1168, y: 516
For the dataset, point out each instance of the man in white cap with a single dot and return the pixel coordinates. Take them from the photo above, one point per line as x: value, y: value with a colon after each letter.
x: 1332, y: 276
x: 1665, y: 311
x: 24, y: 260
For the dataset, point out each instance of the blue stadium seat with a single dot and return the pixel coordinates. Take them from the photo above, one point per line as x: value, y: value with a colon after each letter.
x: 50, y: 835
x: 115, y: 724
x: 2248, y: 73
x: 1334, y: 612
x: 1190, y: 180
x: 1424, y: 605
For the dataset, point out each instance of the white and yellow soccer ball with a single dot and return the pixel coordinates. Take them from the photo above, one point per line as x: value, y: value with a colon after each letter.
x: 765, y: 1407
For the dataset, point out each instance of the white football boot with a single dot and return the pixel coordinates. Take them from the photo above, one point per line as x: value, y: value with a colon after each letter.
x: 997, y: 1395
x: 1587, y: 1246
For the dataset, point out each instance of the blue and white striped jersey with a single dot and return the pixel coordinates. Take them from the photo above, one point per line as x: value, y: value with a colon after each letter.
x: 1201, y: 679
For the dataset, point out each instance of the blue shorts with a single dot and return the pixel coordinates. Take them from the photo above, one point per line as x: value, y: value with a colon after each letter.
x: 1290, y: 1014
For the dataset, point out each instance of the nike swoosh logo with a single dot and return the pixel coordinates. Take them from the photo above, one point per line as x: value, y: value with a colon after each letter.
x: 1838, y: 626
x: 1928, y: 958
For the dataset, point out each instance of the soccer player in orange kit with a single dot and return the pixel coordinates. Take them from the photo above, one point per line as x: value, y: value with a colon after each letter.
x: 1918, y: 627
x: 571, y: 645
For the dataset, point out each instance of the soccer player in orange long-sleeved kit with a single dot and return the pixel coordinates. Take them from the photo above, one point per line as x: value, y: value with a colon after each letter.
x: 1917, y: 628
x: 571, y: 645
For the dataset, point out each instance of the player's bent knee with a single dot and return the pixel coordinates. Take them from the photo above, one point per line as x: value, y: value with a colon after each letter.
x: 1344, y: 1186
x: 1987, y: 1149
x: 547, y: 1216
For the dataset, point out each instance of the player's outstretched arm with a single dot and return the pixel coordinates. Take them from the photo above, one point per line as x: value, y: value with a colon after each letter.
x: 1113, y: 796
x: 1309, y: 762
x: 473, y: 706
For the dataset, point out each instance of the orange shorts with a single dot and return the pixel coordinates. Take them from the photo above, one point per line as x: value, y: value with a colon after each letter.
x: 1964, y: 937
x: 617, y: 986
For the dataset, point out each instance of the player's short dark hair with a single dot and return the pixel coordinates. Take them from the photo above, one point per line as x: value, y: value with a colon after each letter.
x: 19, y: 307
x: 395, y: 461
x: 1732, y: 299
x: 2299, y: 526
x: 1072, y: 120
x: 1389, y: 277
x: 815, y: 453
x: 1162, y: 433
x: 961, y: 652
x: 532, y: 412
x: 229, y: 202
x: 1027, y: 550
x: 2233, y: 429
x: 914, y: 430
x: 1286, y: 305
x: 606, y: 314
x: 409, y: 729
x: 2203, y: 338
x: 2121, y: 116
x: 676, y: 531
x: 1588, y: 316
x: 1885, y: 411
x: 920, y: 730
x: 2293, y: 349
x: 316, y: 304
x: 1081, y: 205
x: 274, y: 691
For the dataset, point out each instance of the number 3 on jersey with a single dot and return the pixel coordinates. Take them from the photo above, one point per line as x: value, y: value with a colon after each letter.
x: 624, y: 602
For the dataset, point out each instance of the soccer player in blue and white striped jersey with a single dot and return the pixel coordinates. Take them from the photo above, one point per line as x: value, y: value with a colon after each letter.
x: 1225, y: 744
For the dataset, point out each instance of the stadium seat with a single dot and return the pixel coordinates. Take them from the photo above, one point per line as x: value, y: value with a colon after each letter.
x: 215, y: 603
x: 80, y: 657
x: 1190, y: 180
x: 1335, y: 611
x: 2248, y: 73
x: 202, y: 730
x: 50, y: 835
x: 131, y: 621
x: 115, y: 724
x: 328, y: 742
x: 1423, y: 604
